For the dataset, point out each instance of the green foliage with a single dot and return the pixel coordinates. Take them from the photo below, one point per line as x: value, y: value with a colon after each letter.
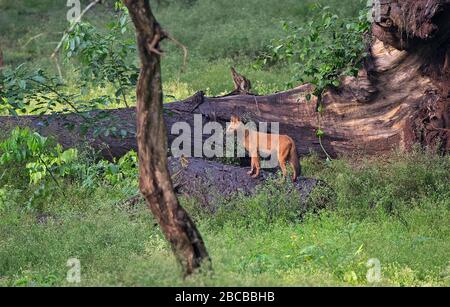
x: 107, y: 65
x: 37, y: 156
x: 234, y: 28
x: 42, y: 158
x: 113, y: 173
x: 386, y: 187
x: 25, y: 90
x: 218, y: 34
x: 46, y: 164
x: 392, y: 208
x: 105, y: 58
x: 322, y: 50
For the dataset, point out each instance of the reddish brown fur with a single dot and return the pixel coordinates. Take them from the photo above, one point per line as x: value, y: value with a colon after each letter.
x: 256, y: 142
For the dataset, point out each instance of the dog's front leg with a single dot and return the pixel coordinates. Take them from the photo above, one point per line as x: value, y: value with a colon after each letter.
x: 252, y: 169
x: 256, y: 166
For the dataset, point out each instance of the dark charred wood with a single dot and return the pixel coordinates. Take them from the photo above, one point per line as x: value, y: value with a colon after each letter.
x: 211, y: 183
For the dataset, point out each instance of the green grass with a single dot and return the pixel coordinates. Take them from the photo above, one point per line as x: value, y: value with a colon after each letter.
x: 265, y: 240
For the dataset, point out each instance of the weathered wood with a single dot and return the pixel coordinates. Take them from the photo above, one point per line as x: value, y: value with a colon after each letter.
x: 154, y: 178
x: 404, y: 24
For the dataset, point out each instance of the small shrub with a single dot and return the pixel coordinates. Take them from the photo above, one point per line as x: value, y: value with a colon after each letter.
x: 274, y: 202
x: 39, y: 154
x: 322, y: 50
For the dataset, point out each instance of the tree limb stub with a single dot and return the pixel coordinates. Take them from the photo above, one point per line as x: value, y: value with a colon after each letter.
x: 161, y: 34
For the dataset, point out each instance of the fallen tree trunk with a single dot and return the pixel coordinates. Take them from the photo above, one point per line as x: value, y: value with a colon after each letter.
x: 400, y: 97
x: 210, y: 108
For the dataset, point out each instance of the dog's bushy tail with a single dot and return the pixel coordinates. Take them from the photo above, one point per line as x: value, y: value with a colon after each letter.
x: 294, y: 161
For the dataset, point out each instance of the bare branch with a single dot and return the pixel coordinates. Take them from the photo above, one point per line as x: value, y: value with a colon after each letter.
x: 32, y: 39
x: 185, y: 50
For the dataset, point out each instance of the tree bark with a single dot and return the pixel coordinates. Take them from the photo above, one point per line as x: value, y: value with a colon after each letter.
x: 411, y: 71
x: 154, y: 178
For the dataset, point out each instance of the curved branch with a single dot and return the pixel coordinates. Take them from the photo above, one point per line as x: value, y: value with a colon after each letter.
x: 72, y: 27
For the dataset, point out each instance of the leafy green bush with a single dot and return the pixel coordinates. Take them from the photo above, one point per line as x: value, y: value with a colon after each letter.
x: 322, y: 50
x: 42, y: 159
x: 117, y: 172
x: 46, y: 165
x: 105, y: 58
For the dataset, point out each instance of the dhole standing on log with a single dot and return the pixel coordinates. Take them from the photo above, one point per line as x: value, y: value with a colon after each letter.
x: 256, y: 142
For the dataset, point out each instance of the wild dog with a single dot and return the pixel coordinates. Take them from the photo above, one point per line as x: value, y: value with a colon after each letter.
x: 256, y: 142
